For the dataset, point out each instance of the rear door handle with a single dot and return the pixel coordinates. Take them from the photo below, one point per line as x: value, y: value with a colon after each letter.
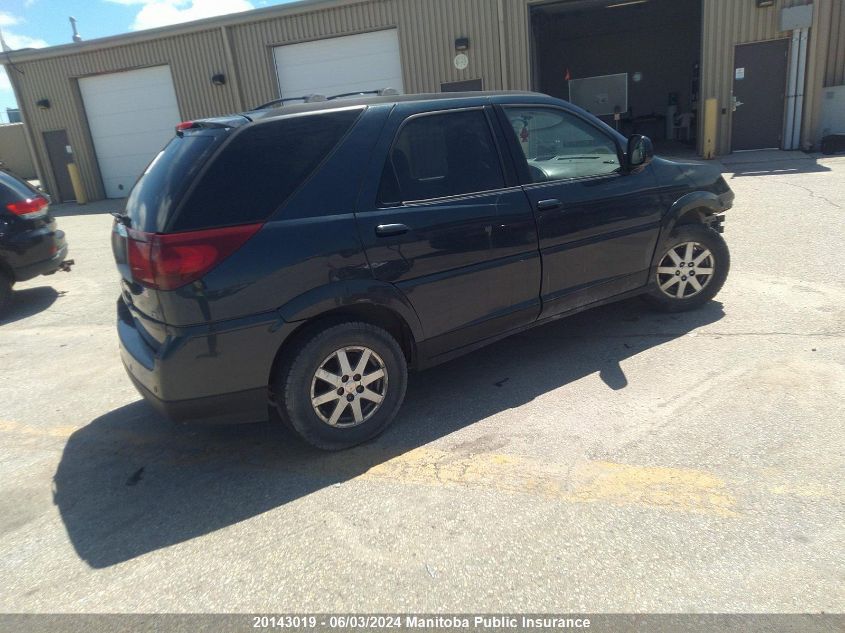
x: 548, y: 205
x: 390, y: 230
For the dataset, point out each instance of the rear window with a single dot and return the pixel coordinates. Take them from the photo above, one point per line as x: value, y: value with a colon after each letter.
x: 12, y: 189
x: 156, y: 194
x: 260, y: 168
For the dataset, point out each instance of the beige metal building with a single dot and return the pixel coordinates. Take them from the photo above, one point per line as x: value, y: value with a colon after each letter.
x: 648, y: 66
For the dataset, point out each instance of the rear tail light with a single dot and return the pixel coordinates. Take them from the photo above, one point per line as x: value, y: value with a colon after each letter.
x: 170, y: 261
x: 30, y: 208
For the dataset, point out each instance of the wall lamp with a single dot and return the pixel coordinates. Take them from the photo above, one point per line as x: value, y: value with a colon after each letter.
x: 462, y: 44
x: 765, y: 3
x: 219, y: 79
x: 43, y: 104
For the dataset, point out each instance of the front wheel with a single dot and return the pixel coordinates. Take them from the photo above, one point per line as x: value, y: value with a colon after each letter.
x: 343, y: 386
x: 692, y: 269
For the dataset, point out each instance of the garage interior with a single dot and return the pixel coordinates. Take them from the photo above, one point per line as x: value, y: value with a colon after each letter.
x: 632, y: 63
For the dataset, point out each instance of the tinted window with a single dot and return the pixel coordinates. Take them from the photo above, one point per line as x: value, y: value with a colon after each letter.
x: 12, y: 189
x: 558, y: 145
x: 441, y: 155
x: 260, y: 168
x: 157, y: 192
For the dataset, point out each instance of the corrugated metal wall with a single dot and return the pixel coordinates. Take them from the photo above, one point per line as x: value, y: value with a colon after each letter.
x: 835, y: 64
x: 728, y: 23
x: 193, y: 58
x: 427, y: 32
x: 14, y: 153
x: 241, y: 47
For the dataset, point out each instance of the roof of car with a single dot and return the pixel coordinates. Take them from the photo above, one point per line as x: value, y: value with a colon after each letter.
x: 334, y: 104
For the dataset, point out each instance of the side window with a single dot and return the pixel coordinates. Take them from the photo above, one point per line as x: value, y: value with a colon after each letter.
x: 559, y: 146
x: 440, y: 155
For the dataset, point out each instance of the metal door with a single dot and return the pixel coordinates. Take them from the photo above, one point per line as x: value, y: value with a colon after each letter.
x: 59, y: 154
x: 759, y: 95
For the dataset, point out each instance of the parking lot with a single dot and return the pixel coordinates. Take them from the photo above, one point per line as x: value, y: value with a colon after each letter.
x: 617, y: 461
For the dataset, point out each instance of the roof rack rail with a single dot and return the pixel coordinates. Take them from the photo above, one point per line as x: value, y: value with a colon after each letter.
x: 306, y: 99
x: 384, y: 92
x: 316, y: 98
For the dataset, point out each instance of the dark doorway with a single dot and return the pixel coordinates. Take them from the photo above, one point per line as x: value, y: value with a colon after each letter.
x: 591, y: 51
x: 759, y: 90
x: 468, y: 85
x: 59, y: 154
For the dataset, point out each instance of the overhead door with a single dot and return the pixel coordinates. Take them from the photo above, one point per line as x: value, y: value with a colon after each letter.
x: 352, y: 63
x: 131, y: 116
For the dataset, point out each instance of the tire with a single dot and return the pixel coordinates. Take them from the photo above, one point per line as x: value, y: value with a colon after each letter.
x: 672, y: 288
x: 362, y: 418
x: 5, y: 293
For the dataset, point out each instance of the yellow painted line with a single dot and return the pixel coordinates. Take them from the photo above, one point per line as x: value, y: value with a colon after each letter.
x: 62, y: 432
x: 673, y: 489
x: 676, y: 489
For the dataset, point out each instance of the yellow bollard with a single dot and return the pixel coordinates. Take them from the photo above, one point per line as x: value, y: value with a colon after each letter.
x: 711, y: 119
x: 76, y: 181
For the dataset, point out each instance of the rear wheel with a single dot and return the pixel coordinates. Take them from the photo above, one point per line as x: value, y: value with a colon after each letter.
x: 342, y: 386
x: 5, y: 293
x: 693, y: 267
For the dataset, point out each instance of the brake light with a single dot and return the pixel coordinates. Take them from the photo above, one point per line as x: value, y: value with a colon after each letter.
x: 185, y: 125
x: 170, y: 261
x: 29, y: 208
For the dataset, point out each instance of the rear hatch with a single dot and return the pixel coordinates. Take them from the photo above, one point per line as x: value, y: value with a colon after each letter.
x: 24, y: 212
x: 151, y: 209
x: 209, y: 191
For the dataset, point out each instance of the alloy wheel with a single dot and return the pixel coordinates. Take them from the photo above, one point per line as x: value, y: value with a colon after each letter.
x: 685, y: 270
x: 349, y: 387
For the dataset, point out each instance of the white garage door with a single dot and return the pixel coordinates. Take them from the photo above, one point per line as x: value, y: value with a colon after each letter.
x: 351, y: 63
x: 131, y: 115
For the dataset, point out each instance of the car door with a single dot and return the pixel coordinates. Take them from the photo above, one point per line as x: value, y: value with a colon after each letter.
x: 597, y: 224
x: 450, y: 226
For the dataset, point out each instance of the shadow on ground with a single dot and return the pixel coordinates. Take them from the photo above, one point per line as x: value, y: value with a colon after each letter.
x: 783, y: 167
x: 130, y: 482
x: 28, y: 302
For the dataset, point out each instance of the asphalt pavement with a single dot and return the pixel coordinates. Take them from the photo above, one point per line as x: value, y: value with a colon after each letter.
x: 616, y: 461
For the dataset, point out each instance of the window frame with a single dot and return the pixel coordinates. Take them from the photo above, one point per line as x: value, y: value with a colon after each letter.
x: 494, y: 135
x: 521, y: 161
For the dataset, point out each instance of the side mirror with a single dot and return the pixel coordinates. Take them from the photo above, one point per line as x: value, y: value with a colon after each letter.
x: 640, y: 151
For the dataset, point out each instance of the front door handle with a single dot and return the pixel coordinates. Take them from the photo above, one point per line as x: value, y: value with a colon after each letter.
x: 548, y: 205
x: 390, y: 230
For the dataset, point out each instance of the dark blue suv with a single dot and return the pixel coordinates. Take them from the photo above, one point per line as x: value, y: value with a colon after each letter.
x: 300, y: 259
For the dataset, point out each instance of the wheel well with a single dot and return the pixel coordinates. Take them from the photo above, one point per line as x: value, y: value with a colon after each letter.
x: 694, y: 216
x: 379, y: 316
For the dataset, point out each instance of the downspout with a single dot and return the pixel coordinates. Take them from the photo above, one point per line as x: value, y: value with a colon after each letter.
x: 791, y: 90
x: 502, y: 57
x: 799, y: 93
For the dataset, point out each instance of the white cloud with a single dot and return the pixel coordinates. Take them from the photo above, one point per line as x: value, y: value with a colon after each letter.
x: 7, y: 19
x: 155, y: 13
x: 16, y: 41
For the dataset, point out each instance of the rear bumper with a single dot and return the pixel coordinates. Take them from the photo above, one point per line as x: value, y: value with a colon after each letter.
x: 216, y: 373
x: 44, y: 267
x: 229, y: 408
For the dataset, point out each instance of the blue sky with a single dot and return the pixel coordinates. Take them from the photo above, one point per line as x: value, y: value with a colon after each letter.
x: 38, y: 23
